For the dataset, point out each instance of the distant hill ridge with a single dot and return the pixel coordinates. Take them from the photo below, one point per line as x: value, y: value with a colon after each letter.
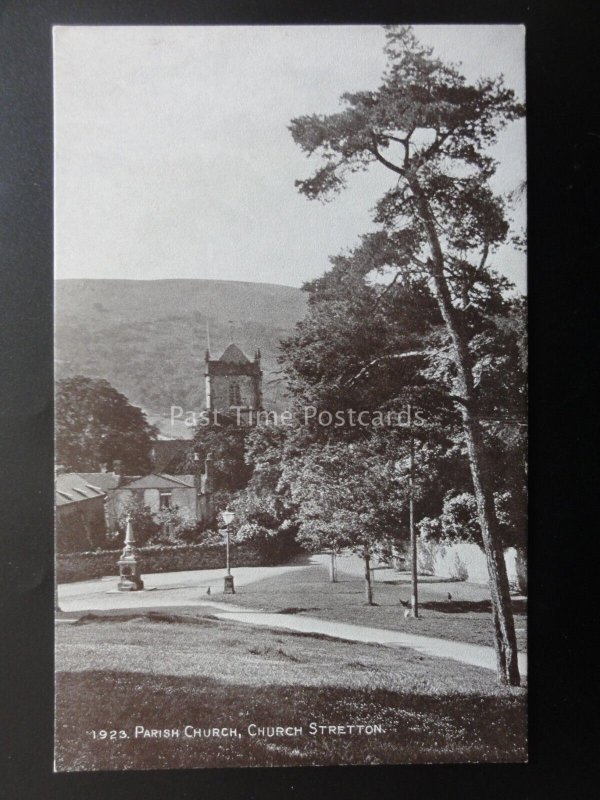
x: 148, y: 338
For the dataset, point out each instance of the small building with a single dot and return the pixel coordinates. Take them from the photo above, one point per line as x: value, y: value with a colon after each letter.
x: 80, y: 517
x: 89, y: 504
x: 191, y: 495
x: 159, y: 491
x: 106, y: 482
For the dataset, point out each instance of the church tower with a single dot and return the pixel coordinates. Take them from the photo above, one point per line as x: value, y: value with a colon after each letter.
x: 233, y: 382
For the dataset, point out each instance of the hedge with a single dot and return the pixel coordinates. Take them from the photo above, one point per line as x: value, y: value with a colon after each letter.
x: 164, y: 558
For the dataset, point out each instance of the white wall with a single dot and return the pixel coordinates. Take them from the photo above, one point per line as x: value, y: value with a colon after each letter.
x: 466, y: 561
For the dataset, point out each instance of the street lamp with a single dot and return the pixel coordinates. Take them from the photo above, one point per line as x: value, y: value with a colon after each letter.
x: 228, y: 588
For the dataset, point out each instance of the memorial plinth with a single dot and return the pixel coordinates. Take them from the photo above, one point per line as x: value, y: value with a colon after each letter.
x: 130, y: 579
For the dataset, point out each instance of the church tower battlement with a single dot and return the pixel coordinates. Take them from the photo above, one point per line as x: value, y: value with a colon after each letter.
x: 233, y: 381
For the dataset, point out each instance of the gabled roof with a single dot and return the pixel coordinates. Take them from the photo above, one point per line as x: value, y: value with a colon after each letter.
x: 72, y: 488
x: 103, y: 480
x: 233, y: 355
x: 158, y: 480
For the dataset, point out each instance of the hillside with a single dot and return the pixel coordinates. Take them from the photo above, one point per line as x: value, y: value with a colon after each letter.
x: 148, y: 338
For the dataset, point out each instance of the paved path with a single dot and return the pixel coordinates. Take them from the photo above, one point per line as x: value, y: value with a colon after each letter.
x: 193, y: 584
x: 171, y: 590
x: 477, y: 655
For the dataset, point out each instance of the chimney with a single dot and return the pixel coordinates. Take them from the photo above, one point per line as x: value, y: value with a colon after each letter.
x: 118, y: 466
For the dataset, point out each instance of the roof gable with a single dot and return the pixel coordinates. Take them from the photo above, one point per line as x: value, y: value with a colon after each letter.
x: 233, y: 355
x: 160, y: 481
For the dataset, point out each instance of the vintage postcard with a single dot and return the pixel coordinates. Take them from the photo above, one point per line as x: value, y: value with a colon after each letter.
x: 291, y: 396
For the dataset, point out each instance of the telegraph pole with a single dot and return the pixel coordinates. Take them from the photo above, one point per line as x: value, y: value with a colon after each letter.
x: 414, y: 599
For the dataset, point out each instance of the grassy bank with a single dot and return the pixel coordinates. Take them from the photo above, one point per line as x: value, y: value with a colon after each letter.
x: 465, y: 617
x: 165, y: 671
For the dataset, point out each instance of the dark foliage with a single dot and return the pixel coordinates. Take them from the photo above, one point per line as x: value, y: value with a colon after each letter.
x: 96, y: 426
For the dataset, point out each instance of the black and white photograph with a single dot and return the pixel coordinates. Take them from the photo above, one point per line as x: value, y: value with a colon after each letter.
x: 290, y: 339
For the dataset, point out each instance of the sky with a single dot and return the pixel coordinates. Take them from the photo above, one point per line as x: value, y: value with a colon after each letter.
x: 173, y: 157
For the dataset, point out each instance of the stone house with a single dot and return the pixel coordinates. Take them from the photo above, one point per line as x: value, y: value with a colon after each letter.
x: 80, y: 514
x: 86, y: 513
x: 192, y: 495
x: 161, y: 491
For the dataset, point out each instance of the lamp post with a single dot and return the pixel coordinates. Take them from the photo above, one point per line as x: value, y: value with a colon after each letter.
x: 228, y: 587
x: 414, y: 599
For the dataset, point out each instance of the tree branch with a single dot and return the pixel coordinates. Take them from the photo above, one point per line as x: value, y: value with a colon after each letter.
x: 395, y: 138
x: 387, y: 357
x: 433, y: 148
x: 484, y: 255
x: 383, y: 160
x: 386, y: 290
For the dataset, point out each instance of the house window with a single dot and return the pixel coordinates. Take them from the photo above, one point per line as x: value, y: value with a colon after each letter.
x: 164, y: 500
x: 235, y: 397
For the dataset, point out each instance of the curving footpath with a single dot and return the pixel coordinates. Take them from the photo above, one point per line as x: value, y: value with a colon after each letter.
x: 189, y: 589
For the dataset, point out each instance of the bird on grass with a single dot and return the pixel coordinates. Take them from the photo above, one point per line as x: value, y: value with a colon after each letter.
x: 208, y: 590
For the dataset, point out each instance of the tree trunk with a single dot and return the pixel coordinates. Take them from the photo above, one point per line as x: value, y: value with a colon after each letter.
x: 504, y: 627
x: 332, y: 570
x: 368, y: 586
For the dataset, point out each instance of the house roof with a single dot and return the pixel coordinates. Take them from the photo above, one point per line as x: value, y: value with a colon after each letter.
x: 70, y: 487
x: 160, y: 481
x: 233, y: 355
x: 103, y: 480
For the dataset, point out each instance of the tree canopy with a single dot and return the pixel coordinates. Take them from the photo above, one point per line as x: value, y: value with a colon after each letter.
x: 439, y: 222
x: 96, y: 426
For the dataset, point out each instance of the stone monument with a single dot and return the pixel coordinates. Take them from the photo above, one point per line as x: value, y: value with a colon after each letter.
x: 130, y: 579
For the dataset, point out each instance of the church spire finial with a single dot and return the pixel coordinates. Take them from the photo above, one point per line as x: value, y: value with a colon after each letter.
x: 231, y: 330
x: 207, y: 337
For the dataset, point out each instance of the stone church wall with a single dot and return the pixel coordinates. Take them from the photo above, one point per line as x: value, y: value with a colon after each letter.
x: 220, y: 391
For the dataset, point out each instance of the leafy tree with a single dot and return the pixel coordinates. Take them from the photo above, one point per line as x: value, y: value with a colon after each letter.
x: 431, y: 130
x: 355, y: 347
x: 145, y: 526
x: 264, y: 511
x: 226, y: 442
x: 167, y: 526
x: 96, y: 425
x: 347, y: 496
x: 498, y: 348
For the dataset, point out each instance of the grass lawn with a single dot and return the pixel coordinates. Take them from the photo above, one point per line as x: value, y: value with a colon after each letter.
x: 466, y: 618
x: 167, y: 671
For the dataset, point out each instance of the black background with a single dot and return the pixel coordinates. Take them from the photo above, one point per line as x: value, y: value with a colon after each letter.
x: 564, y: 236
